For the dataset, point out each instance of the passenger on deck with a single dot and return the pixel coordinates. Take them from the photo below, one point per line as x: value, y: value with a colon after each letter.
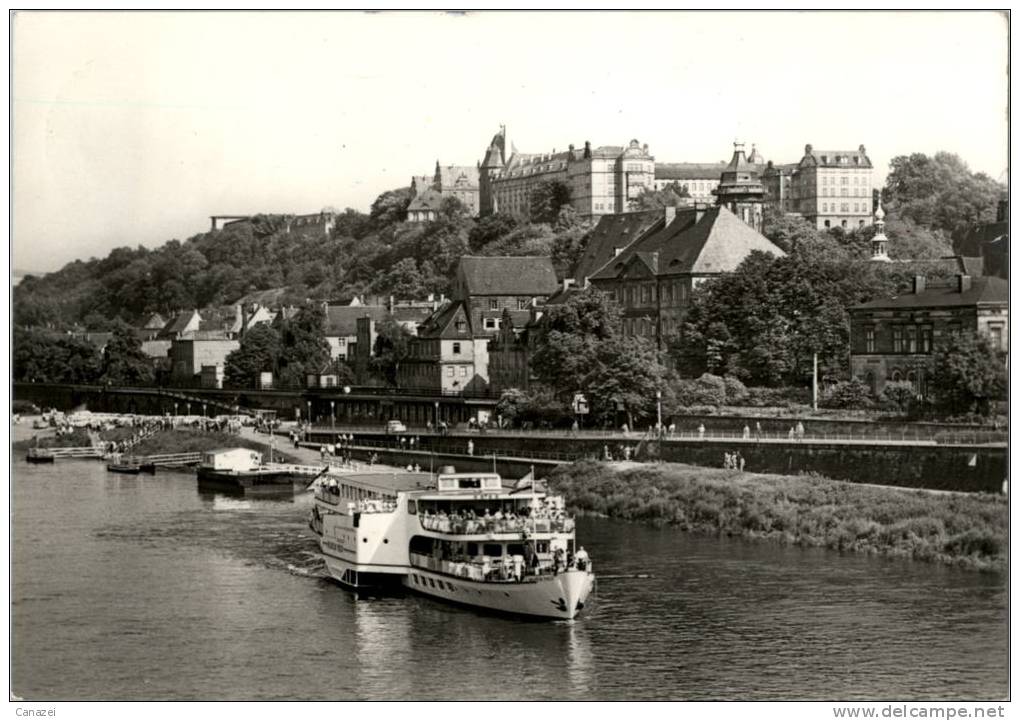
x: 581, y: 559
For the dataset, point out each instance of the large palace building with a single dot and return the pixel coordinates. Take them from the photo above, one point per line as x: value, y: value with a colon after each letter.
x: 602, y: 180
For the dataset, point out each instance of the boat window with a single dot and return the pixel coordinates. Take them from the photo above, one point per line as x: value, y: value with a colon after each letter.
x: 412, y: 507
x: 542, y: 546
x: 432, y: 583
x: 493, y: 549
x: 470, y: 482
x: 472, y: 549
x: 515, y: 549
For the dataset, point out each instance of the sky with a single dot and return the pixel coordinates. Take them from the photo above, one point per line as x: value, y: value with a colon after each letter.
x: 131, y: 128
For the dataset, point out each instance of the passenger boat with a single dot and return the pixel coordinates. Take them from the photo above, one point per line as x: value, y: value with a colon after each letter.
x: 241, y: 469
x: 460, y: 537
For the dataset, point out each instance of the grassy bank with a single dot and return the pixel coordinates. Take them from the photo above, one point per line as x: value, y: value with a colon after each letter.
x: 189, y: 440
x: 965, y: 530
x: 78, y: 438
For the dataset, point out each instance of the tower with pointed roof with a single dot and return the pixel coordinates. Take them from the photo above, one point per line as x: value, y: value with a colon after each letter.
x: 494, y: 162
x: 879, y: 243
x: 740, y: 189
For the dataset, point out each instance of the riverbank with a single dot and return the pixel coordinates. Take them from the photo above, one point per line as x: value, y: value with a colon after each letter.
x: 968, y: 530
x: 190, y: 440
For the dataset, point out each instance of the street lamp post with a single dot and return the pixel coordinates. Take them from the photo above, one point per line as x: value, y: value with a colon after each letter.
x: 175, y: 408
x: 658, y: 410
x: 309, y: 413
x: 437, y: 415
x: 332, y: 414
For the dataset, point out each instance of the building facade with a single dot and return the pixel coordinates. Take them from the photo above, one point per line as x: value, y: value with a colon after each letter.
x: 832, y: 188
x: 893, y: 339
x: 448, y: 181
x: 602, y: 180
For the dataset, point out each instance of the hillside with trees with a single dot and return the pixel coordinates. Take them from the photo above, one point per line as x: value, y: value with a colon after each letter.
x: 377, y: 253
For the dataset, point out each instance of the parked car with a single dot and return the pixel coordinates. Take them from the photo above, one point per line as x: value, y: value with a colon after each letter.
x: 395, y: 427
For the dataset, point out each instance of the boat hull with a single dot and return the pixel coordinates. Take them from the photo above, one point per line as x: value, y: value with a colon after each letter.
x: 132, y: 470
x: 562, y: 596
x: 254, y: 482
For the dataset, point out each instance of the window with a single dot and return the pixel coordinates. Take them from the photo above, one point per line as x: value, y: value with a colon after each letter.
x: 449, y: 371
x: 412, y: 507
x: 491, y: 324
x: 869, y: 340
x: 926, y: 339
x: 522, y: 303
x: 456, y: 348
x: 493, y: 304
x: 897, y: 339
x: 825, y: 207
x: 995, y: 333
x: 459, y: 325
x: 911, y: 339
x: 463, y: 371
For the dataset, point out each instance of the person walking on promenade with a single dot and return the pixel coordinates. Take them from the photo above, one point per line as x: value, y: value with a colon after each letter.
x: 800, y: 431
x: 747, y: 432
x: 757, y: 431
x: 701, y: 430
x: 792, y: 433
x: 739, y: 462
x: 471, y: 448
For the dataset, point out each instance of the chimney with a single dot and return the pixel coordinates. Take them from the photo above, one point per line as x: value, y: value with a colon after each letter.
x: 567, y: 282
x: 587, y: 149
x: 919, y: 284
x: 964, y: 283
x: 670, y: 214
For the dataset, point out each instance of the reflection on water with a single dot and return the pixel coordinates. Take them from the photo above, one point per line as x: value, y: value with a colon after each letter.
x: 142, y: 588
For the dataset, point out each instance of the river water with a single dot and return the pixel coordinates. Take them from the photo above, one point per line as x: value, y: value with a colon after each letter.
x: 141, y: 588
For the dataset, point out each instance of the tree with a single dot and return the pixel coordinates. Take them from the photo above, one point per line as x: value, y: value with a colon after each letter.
x: 899, y: 394
x: 259, y: 352
x: 392, y: 345
x: 624, y: 372
x: 670, y: 196
x: 791, y: 232
x: 404, y: 280
x: 968, y: 373
x: 124, y: 363
x: 489, y: 229
x: 303, y: 345
x: 764, y: 321
x: 45, y: 357
x: 391, y: 207
x: 940, y: 192
x: 546, y: 200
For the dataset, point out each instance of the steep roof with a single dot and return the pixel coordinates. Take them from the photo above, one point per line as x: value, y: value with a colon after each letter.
x: 689, y: 171
x: 442, y: 324
x: 428, y: 199
x: 155, y: 322
x: 508, y: 275
x: 615, y: 232
x: 179, y: 323
x: 458, y: 176
x: 835, y: 158
x: 220, y: 318
x: 342, y: 320
x: 698, y: 242
x: 984, y: 290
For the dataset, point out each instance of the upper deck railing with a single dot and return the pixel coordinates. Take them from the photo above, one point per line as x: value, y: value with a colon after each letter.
x: 456, y: 525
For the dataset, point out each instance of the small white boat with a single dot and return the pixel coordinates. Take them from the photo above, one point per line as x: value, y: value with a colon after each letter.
x: 461, y: 537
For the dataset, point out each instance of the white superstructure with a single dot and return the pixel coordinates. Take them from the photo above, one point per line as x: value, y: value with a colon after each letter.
x: 462, y: 537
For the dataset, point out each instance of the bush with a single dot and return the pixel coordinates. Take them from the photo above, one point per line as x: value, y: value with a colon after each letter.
x: 847, y: 394
x: 762, y: 397
x: 736, y: 391
x: 708, y: 390
x: 899, y: 394
x: 25, y: 408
